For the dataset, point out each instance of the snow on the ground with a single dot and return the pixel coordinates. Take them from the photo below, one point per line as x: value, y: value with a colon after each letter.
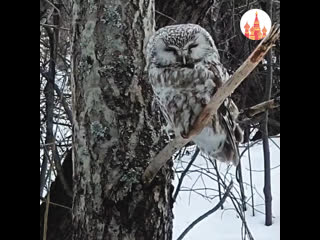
x: 225, y: 224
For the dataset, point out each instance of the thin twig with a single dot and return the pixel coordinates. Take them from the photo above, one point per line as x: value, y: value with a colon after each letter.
x: 193, y: 186
x: 241, y: 215
x: 162, y: 14
x: 240, y: 181
x: 218, y: 175
x: 215, y: 208
x: 54, y: 6
x: 54, y: 26
x: 184, y: 173
x: 250, y: 171
x: 263, y: 170
x: 46, y: 213
x: 60, y: 205
x: 55, y: 204
x: 63, y: 102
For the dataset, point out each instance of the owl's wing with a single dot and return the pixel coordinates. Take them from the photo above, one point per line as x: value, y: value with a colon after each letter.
x: 227, y: 117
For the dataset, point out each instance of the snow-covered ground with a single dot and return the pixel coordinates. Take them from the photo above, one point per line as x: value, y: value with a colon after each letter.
x: 225, y: 224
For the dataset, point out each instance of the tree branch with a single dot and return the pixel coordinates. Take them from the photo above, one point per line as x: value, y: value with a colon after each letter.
x: 49, y: 96
x: 63, y: 102
x: 248, y: 113
x: 183, y: 174
x: 218, y: 98
x: 45, y: 224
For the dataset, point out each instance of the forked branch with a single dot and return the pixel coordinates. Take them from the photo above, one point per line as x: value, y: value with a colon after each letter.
x: 249, y: 113
x: 211, y: 108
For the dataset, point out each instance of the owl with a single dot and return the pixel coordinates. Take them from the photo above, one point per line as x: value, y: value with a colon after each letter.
x: 184, y: 70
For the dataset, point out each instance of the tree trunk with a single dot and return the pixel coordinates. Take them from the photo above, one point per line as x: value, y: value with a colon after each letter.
x: 265, y: 139
x: 116, y: 132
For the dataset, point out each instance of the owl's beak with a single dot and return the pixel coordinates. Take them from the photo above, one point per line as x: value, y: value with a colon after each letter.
x: 184, y: 61
x: 183, y: 58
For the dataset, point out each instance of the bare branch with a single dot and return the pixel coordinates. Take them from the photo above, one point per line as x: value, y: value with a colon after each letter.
x: 250, y: 172
x: 45, y: 224
x: 54, y: 26
x: 218, y: 98
x: 195, y: 155
x: 248, y: 113
x: 240, y: 181
x: 55, y: 204
x: 162, y: 14
x: 63, y: 102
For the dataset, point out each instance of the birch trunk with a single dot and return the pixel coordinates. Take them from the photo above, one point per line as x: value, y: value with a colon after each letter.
x: 115, y: 133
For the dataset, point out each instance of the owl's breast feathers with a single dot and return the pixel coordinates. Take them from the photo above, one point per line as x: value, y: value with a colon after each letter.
x: 185, y: 78
x: 183, y: 92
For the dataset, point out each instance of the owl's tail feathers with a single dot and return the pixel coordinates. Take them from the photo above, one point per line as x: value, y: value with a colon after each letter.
x: 230, y: 150
x: 229, y: 153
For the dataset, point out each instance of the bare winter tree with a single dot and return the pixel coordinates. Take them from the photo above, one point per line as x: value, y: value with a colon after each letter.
x: 115, y: 133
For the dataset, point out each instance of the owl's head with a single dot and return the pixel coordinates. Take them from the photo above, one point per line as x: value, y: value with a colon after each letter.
x: 181, y: 45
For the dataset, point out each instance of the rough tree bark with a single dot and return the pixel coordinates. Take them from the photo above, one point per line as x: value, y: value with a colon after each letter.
x: 116, y: 132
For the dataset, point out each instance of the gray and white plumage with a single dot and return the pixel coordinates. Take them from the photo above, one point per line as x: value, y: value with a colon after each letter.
x: 184, y: 70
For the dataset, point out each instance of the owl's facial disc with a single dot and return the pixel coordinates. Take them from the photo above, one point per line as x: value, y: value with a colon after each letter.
x: 194, y: 51
x: 199, y: 48
x: 182, y: 53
